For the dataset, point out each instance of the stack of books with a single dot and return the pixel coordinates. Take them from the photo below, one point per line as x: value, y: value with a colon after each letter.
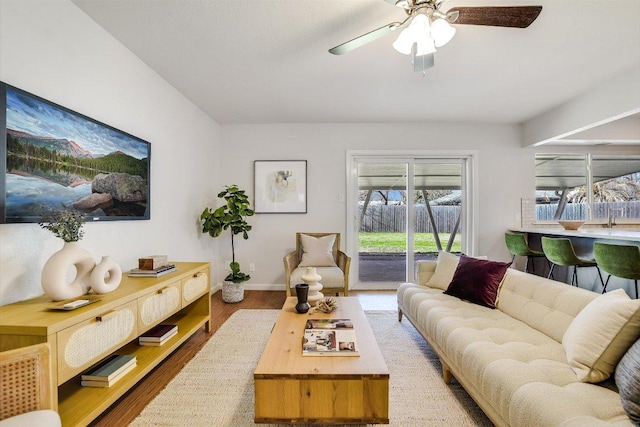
x: 152, y: 266
x: 157, y: 335
x: 109, y: 371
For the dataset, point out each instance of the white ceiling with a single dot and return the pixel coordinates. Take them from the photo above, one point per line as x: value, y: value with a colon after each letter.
x: 266, y: 61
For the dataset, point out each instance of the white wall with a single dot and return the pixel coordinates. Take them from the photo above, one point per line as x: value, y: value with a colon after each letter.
x: 52, y: 49
x: 505, y: 174
x: 324, y: 147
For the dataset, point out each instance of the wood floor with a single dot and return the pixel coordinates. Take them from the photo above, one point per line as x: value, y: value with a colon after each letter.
x: 131, y: 404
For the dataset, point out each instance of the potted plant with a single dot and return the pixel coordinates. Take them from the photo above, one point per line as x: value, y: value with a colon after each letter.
x: 231, y: 216
x: 66, y: 224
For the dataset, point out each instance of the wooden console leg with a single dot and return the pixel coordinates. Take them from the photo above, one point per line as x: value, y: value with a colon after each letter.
x: 446, y: 373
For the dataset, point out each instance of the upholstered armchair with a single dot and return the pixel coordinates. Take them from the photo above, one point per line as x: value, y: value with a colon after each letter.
x: 27, y: 399
x: 320, y: 250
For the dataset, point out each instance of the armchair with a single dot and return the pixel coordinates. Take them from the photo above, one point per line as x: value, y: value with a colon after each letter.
x: 335, y: 269
x: 25, y: 392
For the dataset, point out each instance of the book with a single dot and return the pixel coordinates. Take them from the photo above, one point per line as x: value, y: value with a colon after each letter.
x: 152, y: 262
x: 109, y: 382
x: 329, y: 337
x: 157, y: 343
x: 161, y: 271
x: 110, y: 368
x: 159, y: 333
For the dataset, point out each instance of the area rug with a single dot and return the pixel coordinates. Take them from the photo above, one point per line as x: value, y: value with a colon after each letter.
x: 216, y: 387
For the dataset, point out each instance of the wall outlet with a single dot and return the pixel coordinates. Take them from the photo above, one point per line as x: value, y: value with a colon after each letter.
x: 252, y: 267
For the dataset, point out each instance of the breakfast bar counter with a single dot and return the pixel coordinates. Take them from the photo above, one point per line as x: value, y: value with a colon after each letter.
x: 582, y: 241
x: 587, y: 232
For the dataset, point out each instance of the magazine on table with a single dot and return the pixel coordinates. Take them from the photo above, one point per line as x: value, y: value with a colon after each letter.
x: 329, y: 337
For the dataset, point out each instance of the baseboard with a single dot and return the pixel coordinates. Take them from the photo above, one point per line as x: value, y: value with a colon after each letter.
x: 375, y: 287
x: 281, y: 287
x: 264, y: 287
x: 254, y: 287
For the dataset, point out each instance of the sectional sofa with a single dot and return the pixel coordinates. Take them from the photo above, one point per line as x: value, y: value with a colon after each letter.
x: 546, y: 355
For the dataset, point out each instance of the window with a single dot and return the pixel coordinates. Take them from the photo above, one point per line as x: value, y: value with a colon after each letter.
x: 562, y: 181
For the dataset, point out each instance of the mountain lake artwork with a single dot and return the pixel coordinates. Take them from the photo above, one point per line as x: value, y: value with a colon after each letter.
x: 58, y: 159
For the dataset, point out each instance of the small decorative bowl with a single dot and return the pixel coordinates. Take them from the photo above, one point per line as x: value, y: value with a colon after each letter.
x: 571, y: 225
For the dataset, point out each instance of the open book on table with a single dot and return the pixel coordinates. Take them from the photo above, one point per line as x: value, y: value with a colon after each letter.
x: 329, y: 337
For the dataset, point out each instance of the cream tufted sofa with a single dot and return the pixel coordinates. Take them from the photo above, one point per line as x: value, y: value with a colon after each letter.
x: 511, y: 359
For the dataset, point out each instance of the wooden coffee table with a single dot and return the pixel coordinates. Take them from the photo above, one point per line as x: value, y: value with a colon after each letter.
x: 292, y: 389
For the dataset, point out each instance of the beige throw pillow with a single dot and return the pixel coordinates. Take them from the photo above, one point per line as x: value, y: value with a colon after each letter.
x: 600, y: 334
x: 445, y: 269
x: 317, y: 251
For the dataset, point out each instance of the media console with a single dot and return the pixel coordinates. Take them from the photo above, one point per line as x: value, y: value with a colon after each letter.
x: 83, y: 337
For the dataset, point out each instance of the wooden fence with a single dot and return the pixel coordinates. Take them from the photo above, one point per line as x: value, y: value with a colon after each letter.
x: 579, y: 210
x: 393, y: 219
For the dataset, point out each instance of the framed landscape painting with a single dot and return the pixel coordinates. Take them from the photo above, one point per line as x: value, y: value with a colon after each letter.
x: 280, y: 186
x: 56, y: 159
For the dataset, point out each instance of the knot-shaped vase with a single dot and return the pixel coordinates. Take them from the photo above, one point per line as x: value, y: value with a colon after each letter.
x: 97, y: 280
x: 54, y: 274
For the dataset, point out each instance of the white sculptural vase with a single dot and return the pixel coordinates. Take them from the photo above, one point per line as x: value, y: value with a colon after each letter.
x: 97, y: 279
x: 312, y: 278
x: 54, y: 274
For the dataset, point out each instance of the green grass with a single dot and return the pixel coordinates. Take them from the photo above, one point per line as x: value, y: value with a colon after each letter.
x: 396, y: 242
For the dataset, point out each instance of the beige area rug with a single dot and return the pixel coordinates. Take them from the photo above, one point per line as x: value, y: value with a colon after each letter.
x: 216, y: 387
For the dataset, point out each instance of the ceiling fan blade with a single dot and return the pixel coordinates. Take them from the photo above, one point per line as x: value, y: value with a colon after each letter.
x: 365, y: 38
x: 497, y: 16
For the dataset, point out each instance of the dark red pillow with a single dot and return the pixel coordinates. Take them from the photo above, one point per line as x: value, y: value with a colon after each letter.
x: 477, y: 280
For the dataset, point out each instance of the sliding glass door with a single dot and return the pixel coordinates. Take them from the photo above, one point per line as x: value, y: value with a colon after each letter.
x: 382, y: 217
x: 403, y: 209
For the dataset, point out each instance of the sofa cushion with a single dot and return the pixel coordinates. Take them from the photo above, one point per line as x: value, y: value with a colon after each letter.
x: 628, y: 382
x: 317, y: 251
x: 477, y: 280
x: 600, y: 335
x: 545, y: 305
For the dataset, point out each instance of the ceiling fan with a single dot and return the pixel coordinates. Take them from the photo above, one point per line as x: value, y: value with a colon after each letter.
x: 427, y: 27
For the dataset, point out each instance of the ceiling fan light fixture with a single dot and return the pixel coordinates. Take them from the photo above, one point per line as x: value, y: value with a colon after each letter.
x: 417, y: 32
x: 442, y: 32
x: 404, y: 42
x: 425, y: 46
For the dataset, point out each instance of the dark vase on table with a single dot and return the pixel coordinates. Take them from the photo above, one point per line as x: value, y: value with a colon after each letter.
x: 302, y: 292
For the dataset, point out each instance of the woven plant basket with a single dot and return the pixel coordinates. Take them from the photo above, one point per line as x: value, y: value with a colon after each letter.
x: 232, y: 292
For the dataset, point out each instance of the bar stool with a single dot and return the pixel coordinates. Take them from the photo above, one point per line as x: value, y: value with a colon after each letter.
x: 618, y: 260
x: 518, y: 246
x: 560, y: 252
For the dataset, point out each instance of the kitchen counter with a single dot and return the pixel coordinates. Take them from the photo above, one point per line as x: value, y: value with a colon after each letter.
x: 592, y: 233
x: 582, y: 241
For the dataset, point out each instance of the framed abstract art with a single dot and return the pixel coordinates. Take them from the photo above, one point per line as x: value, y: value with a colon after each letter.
x: 280, y: 186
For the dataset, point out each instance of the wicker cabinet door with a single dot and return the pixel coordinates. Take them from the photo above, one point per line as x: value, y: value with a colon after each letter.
x: 85, y: 343
x: 159, y: 305
x: 194, y: 287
